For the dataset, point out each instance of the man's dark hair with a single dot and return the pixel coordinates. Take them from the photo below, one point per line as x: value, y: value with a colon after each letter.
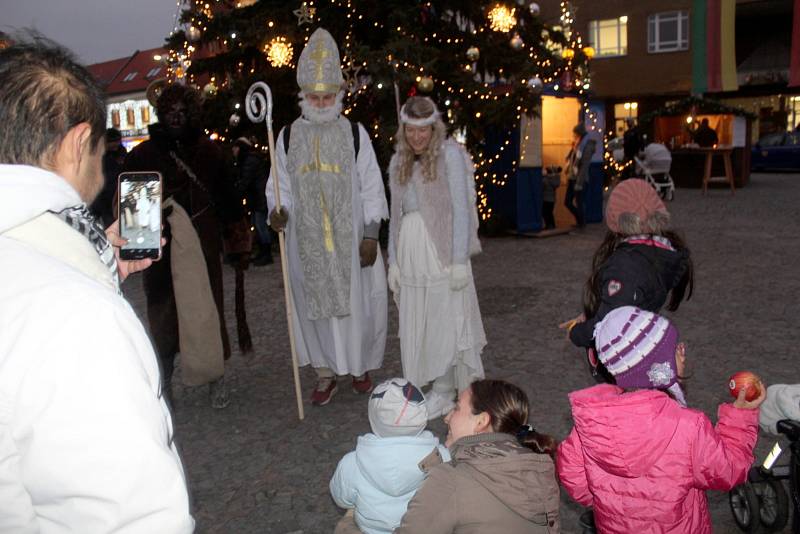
x: 44, y: 93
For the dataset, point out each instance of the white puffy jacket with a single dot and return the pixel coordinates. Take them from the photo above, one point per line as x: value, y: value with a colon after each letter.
x: 85, y: 441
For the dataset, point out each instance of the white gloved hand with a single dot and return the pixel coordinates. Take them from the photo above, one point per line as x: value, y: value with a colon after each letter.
x: 459, y: 278
x: 393, y: 278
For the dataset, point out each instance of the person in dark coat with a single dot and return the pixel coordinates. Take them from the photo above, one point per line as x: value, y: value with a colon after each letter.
x: 113, y: 161
x: 251, y: 180
x: 631, y: 146
x: 178, y: 149
x: 551, y: 181
x: 705, y: 136
x: 578, y: 161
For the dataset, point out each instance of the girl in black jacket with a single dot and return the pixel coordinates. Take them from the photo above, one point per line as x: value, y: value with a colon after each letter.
x: 639, y: 263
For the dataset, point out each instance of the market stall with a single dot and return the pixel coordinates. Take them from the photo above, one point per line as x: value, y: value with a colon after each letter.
x: 676, y: 126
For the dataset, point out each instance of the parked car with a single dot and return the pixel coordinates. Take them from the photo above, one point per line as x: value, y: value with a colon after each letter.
x: 779, y: 151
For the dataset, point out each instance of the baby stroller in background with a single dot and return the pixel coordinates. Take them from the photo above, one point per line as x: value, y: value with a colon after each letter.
x: 655, y: 167
x: 761, y: 504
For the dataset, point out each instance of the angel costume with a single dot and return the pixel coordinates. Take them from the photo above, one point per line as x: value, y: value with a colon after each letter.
x: 432, y: 232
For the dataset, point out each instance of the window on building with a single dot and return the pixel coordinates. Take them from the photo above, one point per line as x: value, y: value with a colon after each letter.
x: 115, y: 119
x: 609, y: 37
x: 622, y: 112
x: 145, y: 112
x: 668, y: 32
x: 130, y: 76
x: 153, y: 72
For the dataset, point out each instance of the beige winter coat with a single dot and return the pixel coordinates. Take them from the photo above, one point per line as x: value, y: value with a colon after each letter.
x: 492, y: 485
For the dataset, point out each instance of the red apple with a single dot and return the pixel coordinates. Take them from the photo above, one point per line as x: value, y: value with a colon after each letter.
x: 747, y: 381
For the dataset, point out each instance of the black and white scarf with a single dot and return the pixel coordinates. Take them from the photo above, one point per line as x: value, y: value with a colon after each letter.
x: 80, y: 218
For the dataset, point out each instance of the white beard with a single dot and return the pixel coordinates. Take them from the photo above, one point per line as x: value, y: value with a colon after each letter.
x: 321, y: 116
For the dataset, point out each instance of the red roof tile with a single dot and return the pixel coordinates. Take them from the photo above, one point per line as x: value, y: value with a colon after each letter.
x: 106, y: 71
x: 141, y: 69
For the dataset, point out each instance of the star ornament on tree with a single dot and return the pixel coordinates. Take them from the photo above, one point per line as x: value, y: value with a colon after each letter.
x: 305, y: 15
x: 350, y: 71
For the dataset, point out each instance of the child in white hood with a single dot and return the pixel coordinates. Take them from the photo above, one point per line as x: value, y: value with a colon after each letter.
x: 380, y: 477
x: 782, y: 402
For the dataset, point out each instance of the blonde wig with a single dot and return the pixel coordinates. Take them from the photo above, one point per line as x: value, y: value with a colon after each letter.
x: 419, y: 111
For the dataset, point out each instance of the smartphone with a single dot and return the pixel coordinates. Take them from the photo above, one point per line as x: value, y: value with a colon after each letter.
x: 140, y: 214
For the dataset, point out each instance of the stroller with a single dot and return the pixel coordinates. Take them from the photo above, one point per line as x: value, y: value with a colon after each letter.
x: 761, y: 504
x: 655, y: 167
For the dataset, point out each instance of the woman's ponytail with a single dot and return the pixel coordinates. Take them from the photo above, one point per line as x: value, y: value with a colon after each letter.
x: 538, y: 443
x: 507, y: 406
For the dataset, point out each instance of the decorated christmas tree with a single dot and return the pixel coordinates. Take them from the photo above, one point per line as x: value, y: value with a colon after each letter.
x: 484, y: 63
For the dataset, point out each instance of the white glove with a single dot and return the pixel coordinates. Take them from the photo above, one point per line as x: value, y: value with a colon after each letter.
x: 394, y: 278
x: 459, y: 278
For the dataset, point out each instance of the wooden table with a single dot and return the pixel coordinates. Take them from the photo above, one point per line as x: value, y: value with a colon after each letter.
x: 688, y: 166
x: 725, y: 153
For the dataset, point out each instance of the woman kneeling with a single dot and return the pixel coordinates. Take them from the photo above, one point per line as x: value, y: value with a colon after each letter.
x: 501, y: 477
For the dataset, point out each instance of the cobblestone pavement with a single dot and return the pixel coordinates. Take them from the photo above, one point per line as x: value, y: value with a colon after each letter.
x: 254, y: 468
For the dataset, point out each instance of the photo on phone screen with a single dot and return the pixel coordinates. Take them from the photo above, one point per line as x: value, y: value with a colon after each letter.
x: 140, y: 214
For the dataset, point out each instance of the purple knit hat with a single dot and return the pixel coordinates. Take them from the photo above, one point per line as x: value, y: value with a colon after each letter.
x: 638, y: 349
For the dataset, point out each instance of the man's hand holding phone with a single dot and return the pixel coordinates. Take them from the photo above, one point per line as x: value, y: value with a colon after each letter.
x: 127, y: 267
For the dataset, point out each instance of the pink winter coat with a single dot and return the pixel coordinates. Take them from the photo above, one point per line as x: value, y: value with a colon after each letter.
x: 644, y: 462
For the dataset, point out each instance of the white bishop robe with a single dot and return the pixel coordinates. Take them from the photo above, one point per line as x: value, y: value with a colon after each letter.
x: 352, y: 344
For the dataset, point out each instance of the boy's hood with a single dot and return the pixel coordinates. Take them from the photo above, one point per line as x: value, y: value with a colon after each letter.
x: 390, y: 464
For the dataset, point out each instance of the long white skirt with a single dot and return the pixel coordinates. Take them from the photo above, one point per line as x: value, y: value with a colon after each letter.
x: 439, y: 328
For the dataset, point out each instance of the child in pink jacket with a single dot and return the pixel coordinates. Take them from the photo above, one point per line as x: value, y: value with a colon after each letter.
x: 637, y: 454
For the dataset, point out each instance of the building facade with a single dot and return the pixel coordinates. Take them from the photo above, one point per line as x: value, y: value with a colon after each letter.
x: 126, y: 81
x: 650, y: 53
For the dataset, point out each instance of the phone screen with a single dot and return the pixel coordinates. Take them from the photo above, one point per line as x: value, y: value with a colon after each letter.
x: 140, y: 214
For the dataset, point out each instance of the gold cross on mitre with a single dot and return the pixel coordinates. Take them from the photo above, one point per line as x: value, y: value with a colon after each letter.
x: 318, y: 54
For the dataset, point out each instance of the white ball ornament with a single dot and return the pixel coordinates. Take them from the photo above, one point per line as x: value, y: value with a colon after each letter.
x: 210, y: 89
x: 193, y: 34
x: 536, y: 84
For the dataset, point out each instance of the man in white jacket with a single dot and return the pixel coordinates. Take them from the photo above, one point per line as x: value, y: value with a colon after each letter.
x: 86, y: 439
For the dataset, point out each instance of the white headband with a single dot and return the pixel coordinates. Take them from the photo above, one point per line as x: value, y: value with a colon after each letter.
x: 426, y: 121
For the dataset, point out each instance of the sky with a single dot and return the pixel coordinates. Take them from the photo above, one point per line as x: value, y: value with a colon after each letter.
x: 96, y: 30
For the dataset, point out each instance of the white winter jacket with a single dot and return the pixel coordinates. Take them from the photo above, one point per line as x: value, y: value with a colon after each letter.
x: 380, y: 477
x: 85, y: 441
